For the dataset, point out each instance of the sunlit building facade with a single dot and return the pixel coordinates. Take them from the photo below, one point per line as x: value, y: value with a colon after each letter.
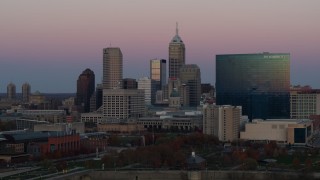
x: 158, y: 72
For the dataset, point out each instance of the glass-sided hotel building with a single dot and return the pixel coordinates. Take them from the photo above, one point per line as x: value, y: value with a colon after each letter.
x: 260, y: 83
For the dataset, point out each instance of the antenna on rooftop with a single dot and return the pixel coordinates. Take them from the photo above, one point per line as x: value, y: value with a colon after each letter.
x: 177, y: 31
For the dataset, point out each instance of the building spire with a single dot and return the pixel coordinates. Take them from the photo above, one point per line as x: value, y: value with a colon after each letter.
x: 177, y: 28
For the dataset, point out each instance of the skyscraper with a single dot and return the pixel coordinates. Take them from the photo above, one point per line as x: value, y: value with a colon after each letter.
x: 112, y: 68
x: 190, y: 75
x: 158, y: 72
x: 26, y: 88
x: 11, y: 91
x: 176, y: 55
x: 259, y: 83
x: 85, y: 89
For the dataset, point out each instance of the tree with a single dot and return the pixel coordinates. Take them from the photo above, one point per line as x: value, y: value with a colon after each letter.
x: 296, y: 162
x: 250, y: 164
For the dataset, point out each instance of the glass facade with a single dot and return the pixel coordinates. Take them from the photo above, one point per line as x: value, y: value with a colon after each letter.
x: 260, y: 83
x: 158, y: 71
x: 299, y: 135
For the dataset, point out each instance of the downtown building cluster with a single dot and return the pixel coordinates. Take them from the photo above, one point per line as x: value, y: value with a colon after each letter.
x: 252, y: 100
x: 252, y: 87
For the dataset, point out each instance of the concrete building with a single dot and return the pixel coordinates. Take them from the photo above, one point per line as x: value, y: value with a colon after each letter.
x: 123, y: 103
x: 26, y: 89
x: 172, y: 119
x: 37, y: 98
x: 77, y: 127
x: 92, y: 117
x: 53, y: 116
x: 293, y: 131
x: 222, y: 121
x: 149, y: 87
x: 85, y: 89
x: 190, y: 75
x: 260, y: 83
x: 11, y: 91
x: 112, y: 68
x: 28, y: 124
x: 304, y: 101
x: 176, y: 55
x: 121, y: 128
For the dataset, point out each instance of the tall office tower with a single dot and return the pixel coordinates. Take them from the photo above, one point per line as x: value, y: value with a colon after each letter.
x: 129, y: 83
x: 191, y: 76
x: 259, y: 83
x: 149, y: 87
x: 26, y: 89
x: 176, y: 55
x: 222, y: 121
x: 85, y: 89
x: 123, y: 103
x: 11, y: 91
x: 304, y: 101
x: 158, y: 72
x: 112, y: 68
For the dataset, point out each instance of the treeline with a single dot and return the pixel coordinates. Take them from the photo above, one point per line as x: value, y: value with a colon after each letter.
x: 164, y: 151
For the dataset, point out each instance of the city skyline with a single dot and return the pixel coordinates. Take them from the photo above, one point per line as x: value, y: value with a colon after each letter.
x: 44, y: 41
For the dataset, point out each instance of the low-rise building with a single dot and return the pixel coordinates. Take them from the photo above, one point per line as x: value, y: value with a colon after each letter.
x: 122, y: 128
x: 77, y: 127
x: 54, y: 116
x: 93, y: 117
x: 286, y: 131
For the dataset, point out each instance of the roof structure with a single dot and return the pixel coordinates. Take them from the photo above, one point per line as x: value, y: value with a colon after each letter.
x: 176, y: 38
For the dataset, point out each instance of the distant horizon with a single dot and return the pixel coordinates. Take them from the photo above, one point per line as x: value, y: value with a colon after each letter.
x: 49, y: 43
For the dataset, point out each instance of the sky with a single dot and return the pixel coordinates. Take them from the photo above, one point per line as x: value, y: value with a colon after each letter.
x: 49, y: 43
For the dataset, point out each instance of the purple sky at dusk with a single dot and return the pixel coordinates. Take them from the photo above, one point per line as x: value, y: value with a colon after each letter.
x: 49, y: 43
